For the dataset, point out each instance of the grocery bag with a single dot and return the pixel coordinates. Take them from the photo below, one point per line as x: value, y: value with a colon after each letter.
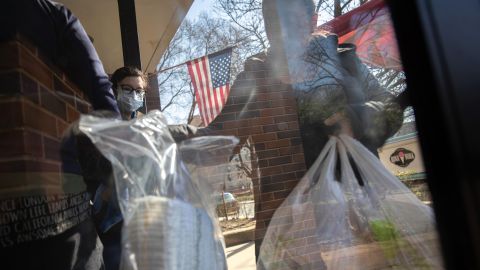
x: 349, y: 212
x: 169, y: 216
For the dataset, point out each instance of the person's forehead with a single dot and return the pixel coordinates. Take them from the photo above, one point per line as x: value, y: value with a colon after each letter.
x: 133, y: 81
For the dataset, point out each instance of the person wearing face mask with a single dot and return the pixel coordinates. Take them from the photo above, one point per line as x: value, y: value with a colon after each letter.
x: 59, y: 39
x: 129, y: 85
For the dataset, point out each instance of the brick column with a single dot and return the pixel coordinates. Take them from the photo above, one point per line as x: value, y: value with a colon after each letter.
x: 263, y: 109
x: 37, y: 103
x: 152, y: 99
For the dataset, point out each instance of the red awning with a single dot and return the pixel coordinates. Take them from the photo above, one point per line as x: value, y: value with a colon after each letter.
x: 370, y: 28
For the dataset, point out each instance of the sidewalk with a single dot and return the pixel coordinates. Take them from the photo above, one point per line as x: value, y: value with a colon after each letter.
x: 241, y: 257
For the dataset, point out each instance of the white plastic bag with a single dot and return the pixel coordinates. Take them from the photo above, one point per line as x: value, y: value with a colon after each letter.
x: 349, y: 212
x: 169, y: 217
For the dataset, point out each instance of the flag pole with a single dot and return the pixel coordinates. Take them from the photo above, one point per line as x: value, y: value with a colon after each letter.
x: 169, y: 68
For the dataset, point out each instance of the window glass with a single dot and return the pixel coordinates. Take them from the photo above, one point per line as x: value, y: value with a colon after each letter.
x: 302, y: 72
x: 328, y: 170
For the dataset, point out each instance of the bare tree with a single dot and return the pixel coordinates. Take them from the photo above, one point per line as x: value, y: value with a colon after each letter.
x: 173, y: 84
x: 247, y: 16
x: 329, y: 9
x: 210, y: 34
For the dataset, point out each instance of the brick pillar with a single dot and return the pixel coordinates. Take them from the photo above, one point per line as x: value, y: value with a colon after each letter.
x: 153, y: 94
x: 37, y: 103
x: 263, y: 109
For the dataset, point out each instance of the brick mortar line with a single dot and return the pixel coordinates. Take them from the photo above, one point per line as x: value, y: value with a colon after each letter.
x: 30, y: 158
x: 38, y: 106
x: 10, y: 70
x: 31, y: 130
x: 39, y: 83
x: 63, y: 78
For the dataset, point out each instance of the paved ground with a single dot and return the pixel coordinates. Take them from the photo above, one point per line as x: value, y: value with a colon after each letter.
x: 241, y: 257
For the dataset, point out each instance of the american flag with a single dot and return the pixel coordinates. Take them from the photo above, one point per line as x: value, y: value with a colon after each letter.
x: 210, y: 77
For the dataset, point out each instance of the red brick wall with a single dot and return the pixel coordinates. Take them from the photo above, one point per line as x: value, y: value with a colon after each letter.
x: 37, y: 103
x: 263, y: 109
x: 152, y: 99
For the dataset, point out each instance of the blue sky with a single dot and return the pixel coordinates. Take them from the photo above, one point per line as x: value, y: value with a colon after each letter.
x: 198, y: 7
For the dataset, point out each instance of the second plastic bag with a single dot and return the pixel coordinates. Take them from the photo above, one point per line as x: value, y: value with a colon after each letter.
x: 169, y: 218
x: 349, y: 212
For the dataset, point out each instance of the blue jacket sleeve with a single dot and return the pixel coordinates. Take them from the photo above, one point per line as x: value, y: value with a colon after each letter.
x: 83, y: 65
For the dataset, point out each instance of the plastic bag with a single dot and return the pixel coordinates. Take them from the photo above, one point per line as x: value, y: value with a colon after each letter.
x: 349, y: 212
x: 169, y: 217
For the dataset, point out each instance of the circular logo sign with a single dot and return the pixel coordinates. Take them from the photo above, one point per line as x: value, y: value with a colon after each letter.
x: 402, y: 157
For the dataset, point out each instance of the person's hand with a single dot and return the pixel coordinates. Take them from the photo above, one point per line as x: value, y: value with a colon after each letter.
x: 342, y: 122
x: 95, y: 167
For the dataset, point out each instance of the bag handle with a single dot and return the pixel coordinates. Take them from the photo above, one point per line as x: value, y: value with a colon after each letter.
x: 345, y: 156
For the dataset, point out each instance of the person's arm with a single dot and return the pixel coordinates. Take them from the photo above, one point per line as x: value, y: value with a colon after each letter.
x: 83, y: 65
x: 379, y: 115
x: 183, y: 132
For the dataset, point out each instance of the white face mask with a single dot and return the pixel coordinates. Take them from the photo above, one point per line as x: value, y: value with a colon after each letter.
x: 129, y: 102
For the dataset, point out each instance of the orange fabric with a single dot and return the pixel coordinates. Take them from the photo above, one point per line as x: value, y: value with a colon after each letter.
x: 369, y: 27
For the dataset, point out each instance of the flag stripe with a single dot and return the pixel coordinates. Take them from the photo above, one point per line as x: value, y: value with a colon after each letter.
x: 195, y: 82
x: 222, y: 95
x: 197, y: 88
x: 203, y: 89
x: 227, y: 93
x: 214, y: 95
x: 209, y: 90
x: 218, y: 98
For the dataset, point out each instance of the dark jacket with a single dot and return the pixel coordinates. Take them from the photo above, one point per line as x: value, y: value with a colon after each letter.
x: 49, y: 225
x: 337, y: 81
x: 60, y: 37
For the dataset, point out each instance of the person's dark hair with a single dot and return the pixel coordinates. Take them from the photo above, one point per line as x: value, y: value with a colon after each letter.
x: 124, y: 72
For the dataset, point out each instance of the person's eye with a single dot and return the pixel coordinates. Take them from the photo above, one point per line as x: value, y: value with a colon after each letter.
x: 127, y: 89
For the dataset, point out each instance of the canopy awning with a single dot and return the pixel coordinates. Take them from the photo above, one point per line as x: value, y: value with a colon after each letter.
x: 157, y: 23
